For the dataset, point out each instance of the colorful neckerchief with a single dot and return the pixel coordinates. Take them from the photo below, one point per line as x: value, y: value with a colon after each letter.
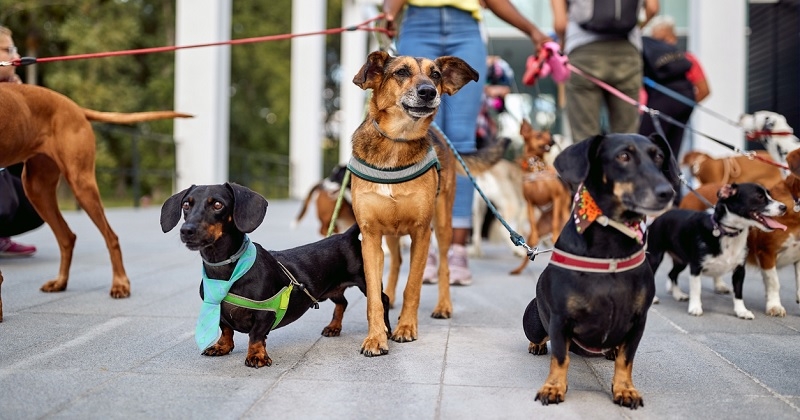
x: 585, y: 212
x: 207, y: 329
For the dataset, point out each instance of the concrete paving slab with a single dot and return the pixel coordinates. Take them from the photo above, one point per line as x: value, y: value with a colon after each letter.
x: 81, y: 354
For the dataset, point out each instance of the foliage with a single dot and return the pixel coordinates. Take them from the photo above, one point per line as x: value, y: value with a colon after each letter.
x: 260, y: 78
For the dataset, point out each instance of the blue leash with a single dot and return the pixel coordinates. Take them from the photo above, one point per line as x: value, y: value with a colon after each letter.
x: 516, y: 238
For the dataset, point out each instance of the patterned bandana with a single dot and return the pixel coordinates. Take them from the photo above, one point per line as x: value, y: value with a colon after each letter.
x: 585, y: 212
x: 207, y: 330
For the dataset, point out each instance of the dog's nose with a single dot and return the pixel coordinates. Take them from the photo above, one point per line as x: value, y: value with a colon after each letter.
x: 188, y: 229
x: 664, y: 192
x: 427, y: 92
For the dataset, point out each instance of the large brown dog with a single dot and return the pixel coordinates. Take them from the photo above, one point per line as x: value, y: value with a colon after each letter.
x: 390, y: 200
x: 53, y: 136
x: 734, y: 169
x: 542, y: 189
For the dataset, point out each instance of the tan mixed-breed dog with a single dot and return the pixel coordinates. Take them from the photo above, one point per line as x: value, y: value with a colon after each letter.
x: 397, y: 133
x: 733, y: 169
x: 542, y: 188
x: 53, y: 136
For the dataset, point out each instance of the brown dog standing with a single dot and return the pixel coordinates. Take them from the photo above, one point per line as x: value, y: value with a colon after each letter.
x: 53, y: 136
x: 732, y: 169
x: 397, y: 189
x: 542, y: 189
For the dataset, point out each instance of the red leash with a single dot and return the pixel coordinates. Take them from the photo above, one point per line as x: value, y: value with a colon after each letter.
x: 364, y: 26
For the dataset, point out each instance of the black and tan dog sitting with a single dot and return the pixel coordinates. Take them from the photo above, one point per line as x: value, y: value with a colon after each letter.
x: 278, y: 287
x: 593, y: 296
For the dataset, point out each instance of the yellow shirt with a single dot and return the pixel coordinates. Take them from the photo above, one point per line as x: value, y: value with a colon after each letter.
x: 472, y: 6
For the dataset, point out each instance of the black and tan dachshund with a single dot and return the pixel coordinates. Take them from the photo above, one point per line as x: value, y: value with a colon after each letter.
x: 594, y: 295
x: 216, y: 221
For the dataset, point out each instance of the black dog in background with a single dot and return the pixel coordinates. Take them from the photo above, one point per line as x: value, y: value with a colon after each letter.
x: 594, y: 295
x: 713, y: 244
x: 216, y: 219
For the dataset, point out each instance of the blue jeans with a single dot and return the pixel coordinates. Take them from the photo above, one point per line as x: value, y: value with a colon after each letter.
x: 433, y: 32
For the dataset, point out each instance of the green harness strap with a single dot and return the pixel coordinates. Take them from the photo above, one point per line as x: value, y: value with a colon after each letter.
x: 278, y: 303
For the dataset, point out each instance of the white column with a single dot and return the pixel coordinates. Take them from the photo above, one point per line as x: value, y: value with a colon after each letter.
x: 202, y: 88
x: 718, y: 37
x: 308, y: 82
x: 353, y: 55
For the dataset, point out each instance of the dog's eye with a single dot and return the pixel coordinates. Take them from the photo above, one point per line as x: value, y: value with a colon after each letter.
x: 435, y: 75
x: 403, y: 72
x: 217, y: 205
x: 624, y: 157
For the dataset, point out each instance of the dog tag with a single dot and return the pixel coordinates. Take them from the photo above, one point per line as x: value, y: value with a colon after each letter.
x: 796, y: 207
x: 716, y: 232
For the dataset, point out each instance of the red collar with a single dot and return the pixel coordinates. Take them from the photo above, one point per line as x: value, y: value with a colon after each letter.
x: 758, y: 135
x: 596, y: 265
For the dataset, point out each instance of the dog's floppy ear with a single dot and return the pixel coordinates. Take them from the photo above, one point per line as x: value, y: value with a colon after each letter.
x: 249, y: 207
x: 371, y: 72
x: 455, y: 73
x: 727, y: 191
x: 670, y: 168
x: 171, y: 210
x: 573, y: 163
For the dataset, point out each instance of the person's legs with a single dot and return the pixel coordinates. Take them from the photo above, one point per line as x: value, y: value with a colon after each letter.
x: 584, y: 98
x: 624, y: 66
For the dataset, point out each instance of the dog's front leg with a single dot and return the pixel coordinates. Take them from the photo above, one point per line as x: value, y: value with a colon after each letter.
x: 695, y: 287
x: 395, y: 259
x: 772, y: 288
x: 622, y: 389
x: 257, y: 347
x: 407, y: 324
x: 376, y: 343
x: 738, y: 302
x: 224, y: 345
x: 555, y: 386
x: 334, y: 328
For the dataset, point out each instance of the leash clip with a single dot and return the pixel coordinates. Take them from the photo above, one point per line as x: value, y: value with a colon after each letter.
x: 533, y: 252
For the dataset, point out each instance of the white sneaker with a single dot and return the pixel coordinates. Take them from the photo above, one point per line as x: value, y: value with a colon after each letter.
x: 459, y: 267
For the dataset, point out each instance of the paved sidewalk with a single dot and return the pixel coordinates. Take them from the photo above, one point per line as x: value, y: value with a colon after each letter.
x: 81, y: 354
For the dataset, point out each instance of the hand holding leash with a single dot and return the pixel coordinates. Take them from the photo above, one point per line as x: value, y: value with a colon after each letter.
x: 549, y: 61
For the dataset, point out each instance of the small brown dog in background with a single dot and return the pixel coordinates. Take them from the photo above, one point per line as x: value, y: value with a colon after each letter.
x: 542, y: 188
x: 733, y: 169
x: 327, y: 193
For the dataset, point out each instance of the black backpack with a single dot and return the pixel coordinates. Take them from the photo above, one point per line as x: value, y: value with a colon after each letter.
x: 609, y: 17
x: 663, y: 62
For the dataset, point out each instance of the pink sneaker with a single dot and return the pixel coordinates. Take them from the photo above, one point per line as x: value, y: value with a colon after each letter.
x: 459, y: 268
x: 431, y: 273
x: 9, y: 248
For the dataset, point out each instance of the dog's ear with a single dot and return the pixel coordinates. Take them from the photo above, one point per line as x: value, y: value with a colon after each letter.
x: 573, y: 163
x: 670, y: 168
x: 455, y: 73
x: 727, y: 191
x: 371, y: 72
x: 249, y: 207
x: 525, y: 129
x: 171, y: 210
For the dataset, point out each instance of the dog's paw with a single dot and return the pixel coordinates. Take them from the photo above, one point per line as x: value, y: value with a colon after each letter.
x: 119, y: 291
x: 678, y: 295
x: 656, y: 300
x: 54, y: 286
x: 374, y: 347
x: 551, y: 393
x: 745, y: 314
x: 331, y: 331
x: 627, y: 397
x: 442, y: 312
x: 537, y: 349
x: 695, y: 309
x: 405, y: 333
x: 218, y: 350
x: 257, y: 361
x: 776, y: 310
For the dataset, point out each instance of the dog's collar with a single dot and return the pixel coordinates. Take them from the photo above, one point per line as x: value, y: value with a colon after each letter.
x: 383, y: 133
x: 720, y: 229
x: 585, y: 212
x: 370, y: 173
x: 596, y: 265
x: 235, y: 257
x: 278, y: 303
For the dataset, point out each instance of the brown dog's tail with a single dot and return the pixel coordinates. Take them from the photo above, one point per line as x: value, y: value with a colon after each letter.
x: 132, y: 117
x: 483, y: 159
x: 302, y: 213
